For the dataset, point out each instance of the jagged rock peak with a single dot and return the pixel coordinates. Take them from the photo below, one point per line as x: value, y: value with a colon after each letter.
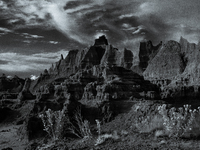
x: 147, y: 52
x: 167, y: 63
x: 101, y: 41
x: 3, y: 75
x: 183, y: 40
x: 62, y: 57
x: 173, y: 46
x: 45, y: 72
x: 15, y: 77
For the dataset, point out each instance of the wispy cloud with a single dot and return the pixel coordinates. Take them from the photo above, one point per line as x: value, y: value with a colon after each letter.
x: 34, y: 77
x: 27, y: 35
x: 5, y: 30
x: 121, y: 21
x: 53, y: 42
x: 13, y: 62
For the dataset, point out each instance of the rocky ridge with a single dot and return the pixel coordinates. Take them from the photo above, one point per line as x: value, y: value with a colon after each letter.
x: 176, y: 70
x: 99, y: 72
x: 172, y: 67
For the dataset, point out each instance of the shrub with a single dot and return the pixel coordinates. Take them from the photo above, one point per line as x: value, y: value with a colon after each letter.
x: 149, y: 123
x: 57, y: 124
x: 53, y: 122
x: 83, y: 126
x: 178, y: 122
x: 98, y: 126
x: 144, y: 116
x: 106, y: 114
x: 102, y: 138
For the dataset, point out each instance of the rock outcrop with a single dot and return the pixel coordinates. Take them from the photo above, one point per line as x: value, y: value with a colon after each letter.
x: 101, y: 41
x: 175, y: 69
x: 101, y: 53
x: 167, y: 64
x: 12, y: 85
x: 191, y: 57
x: 25, y: 94
x: 147, y: 52
x: 99, y: 73
x: 127, y: 59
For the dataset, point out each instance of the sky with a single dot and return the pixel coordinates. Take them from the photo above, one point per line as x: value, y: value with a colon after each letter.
x: 34, y: 33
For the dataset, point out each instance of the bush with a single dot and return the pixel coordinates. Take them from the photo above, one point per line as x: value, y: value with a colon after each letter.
x: 182, y: 121
x: 83, y: 126
x: 57, y: 124
x: 53, y: 122
x: 102, y: 138
x: 145, y: 117
x: 106, y: 113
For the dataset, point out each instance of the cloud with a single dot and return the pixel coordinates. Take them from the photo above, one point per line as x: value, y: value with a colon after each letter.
x: 5, y: 30
x: 83, y: 20
x: 3, y: 62
x: 126, y: 16
x: 27, y: 35
x: 3, y: 5
x: 34, y: 77
x: 53, y: 42
x: 28, y: 63
x: 139, y: 29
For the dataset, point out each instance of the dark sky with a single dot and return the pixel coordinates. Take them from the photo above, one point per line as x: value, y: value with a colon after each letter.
x: 33, y: 33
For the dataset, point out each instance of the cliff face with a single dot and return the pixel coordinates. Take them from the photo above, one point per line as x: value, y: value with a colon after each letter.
x: 167, y: 64
x: 80, y: 59
x: 191, y: 56
x: 101, y: 53
x: 67, y: 66
x: 147, y: 52
x: 176, y: 69
x: 111, y: 56
x: 101, y: 72
x: 176, y: 61
x: 127, y: 59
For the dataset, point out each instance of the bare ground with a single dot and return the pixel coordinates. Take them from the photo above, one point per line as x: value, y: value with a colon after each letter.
x: 10, y: 138
x: 125, y: 135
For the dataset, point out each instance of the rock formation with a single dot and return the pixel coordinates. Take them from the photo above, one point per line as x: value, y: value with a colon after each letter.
x: 25, y: 94
x: 12, y: 85
x: 99, y: 73
x: 101, y: 41
x: 175, y: 69
x: 147, y: 52
x: 191, y: 57
x: 167, y: 64
x: 96, y: 72
x: 99, y: 54
x: 127, y: 59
